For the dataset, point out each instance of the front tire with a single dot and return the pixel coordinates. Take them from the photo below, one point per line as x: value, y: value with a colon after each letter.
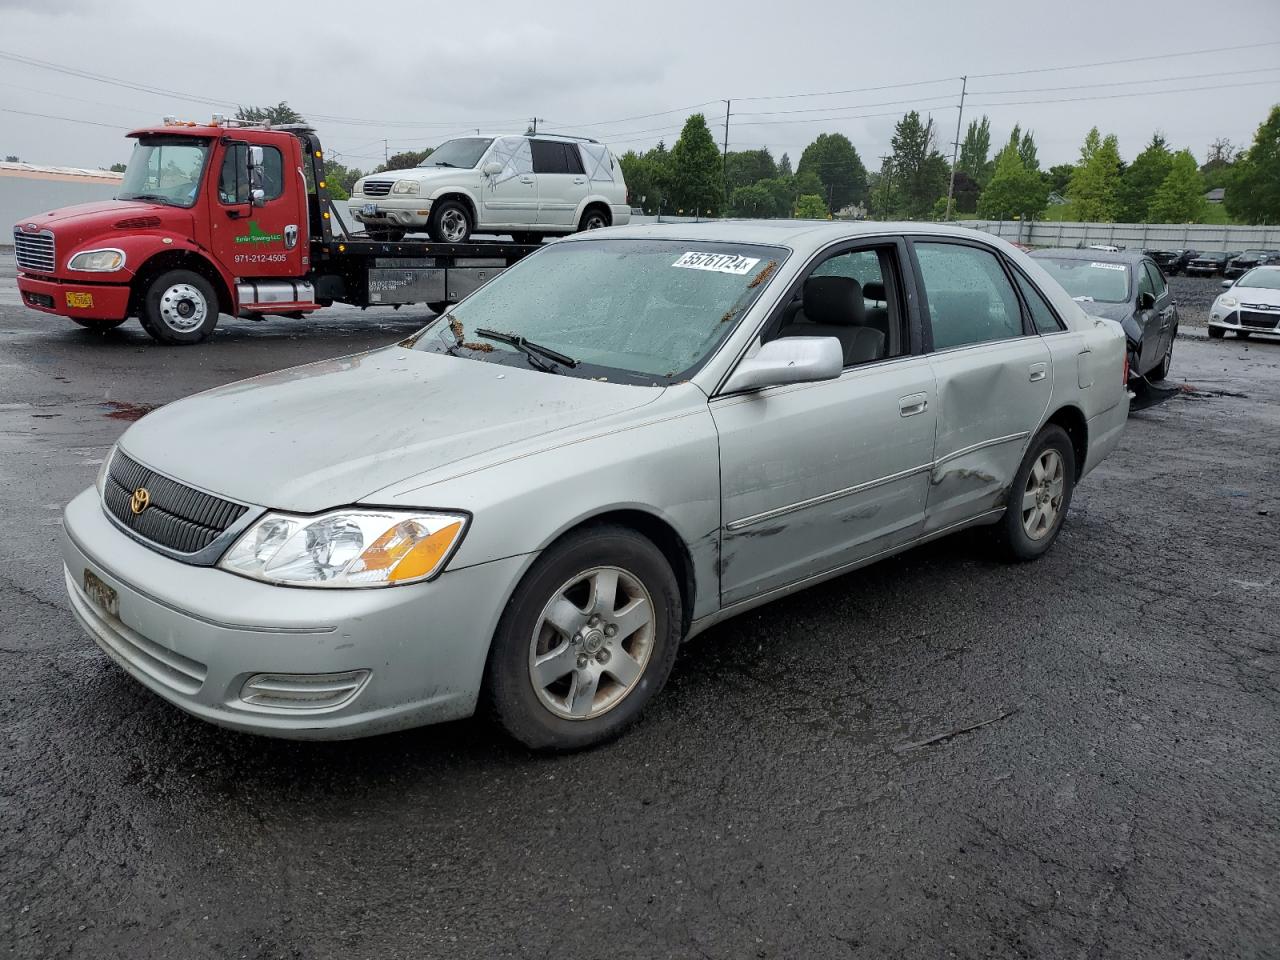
x: 450, y: 222
x: 586, y: 641
x: 180, y: 307
x: 1039, y: 497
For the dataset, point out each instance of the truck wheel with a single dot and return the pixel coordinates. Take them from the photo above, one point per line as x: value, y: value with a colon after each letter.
x: 450, y: 222
x: 587, y: 639
x: 1039, y: 496
x: 180, y: 307
x: 594, y: 219
x: 99, y: 325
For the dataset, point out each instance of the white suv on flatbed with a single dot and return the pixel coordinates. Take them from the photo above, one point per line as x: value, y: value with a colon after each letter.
x: 526, y: 186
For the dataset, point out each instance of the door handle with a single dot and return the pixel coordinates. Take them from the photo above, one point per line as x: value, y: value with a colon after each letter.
x: 909, y: 406
x: 579, y: 179
x: 526, y: 179
x: 1037, y: 372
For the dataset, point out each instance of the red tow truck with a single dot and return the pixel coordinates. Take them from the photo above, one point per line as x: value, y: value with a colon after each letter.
x: 229, y: 218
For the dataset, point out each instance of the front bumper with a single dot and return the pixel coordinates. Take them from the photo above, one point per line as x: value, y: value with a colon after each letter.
x: 392, y: 211
x: 197, y: 635
x: 68, y: 298
x: 1231, y: 320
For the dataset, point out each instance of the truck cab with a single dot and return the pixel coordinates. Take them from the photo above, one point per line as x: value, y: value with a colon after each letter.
x: 209, y: 219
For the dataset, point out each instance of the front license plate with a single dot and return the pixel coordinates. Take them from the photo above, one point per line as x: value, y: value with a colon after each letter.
x: 81, y: 301
x: 370, y: 210
x: 102, y: 595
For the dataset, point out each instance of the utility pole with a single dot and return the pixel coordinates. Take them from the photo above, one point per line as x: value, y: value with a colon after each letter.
x: 533, y: 125
x: 955, y: 145
x: 386, y: 154
x: 724, y: 156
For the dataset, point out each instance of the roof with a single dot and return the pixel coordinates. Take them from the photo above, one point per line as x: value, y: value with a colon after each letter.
x: 799, y: 235
x: 39, y: 172
x: 1101, y: 256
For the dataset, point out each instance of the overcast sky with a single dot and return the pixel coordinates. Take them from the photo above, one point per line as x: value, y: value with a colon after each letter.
x: 416, y: 73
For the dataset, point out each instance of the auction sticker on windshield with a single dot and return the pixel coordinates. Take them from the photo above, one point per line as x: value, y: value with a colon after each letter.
x: 717, y: 262
x: 1107, y: 266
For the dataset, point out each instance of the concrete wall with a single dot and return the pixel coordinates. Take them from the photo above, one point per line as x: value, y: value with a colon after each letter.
x: 1178, y: 236
x: 22, y: 196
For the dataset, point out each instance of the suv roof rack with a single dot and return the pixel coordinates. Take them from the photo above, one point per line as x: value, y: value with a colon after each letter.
x: 564, y: 136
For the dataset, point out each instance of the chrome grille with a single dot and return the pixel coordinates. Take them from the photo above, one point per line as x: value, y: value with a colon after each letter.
x: 176, y: 517
x: 377, y: 188
x: 34, y: 250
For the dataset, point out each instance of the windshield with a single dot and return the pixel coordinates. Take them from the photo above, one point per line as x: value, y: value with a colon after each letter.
x: 1091, y: 279
x: 1262, y: 279
x: 165, y: 170
x: 465, y: 153
x: 636, y: 311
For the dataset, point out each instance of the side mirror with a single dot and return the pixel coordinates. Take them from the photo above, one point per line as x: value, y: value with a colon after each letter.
x: 788, y: 360
x: 492, y: 168
x: 1146, y: 301
x: 1227, y: 284
x: 256, y: 161
x: 258, y: 196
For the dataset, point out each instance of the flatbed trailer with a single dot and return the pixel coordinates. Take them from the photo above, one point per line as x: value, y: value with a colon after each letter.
x: 253, y: 232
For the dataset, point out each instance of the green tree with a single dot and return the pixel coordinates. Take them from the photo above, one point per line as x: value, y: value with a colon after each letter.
x: 975, y: 153
x: 920, y: 172
x: 809, y: 206
x: 753, y: 200
x: 13, y: 158
x: 695, y: 177
x: 1057, y: 177
x: 966, y: 195
x: 784, y: 166
x: 1141, y: 180
x: 1014, y: 190
x: 404, y: 160
x: 1253, y: 191
x: 837, y: 165
x: 280, y: 113
x: 117, y: 168
x: 1180, y: 198
x: 745, y: 167
x: 1094, y: 181
x: 1027, y: 151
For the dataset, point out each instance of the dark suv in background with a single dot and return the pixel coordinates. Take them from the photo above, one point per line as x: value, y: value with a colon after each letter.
x: 1239, y: 265
x: 1172, y: 262
x: 1207, y: 264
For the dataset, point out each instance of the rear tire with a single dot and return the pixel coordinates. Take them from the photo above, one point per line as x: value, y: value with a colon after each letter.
x: 1039, y: 497
x: 180, y: 307
x: 594, y: 218
x: 571, y: 666
x: 100, y: 325
x: 450, y: 222
x: 1216, y: 333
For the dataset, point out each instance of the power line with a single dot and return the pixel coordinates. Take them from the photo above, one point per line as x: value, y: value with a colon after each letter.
x: 840, y: 93
x: 1119, y: 83
x: 1121, y: 96
x: 1107, y: 63
x: 49, y: 116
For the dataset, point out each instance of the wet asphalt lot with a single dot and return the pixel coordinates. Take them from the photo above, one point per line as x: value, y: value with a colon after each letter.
x: 770, y: 804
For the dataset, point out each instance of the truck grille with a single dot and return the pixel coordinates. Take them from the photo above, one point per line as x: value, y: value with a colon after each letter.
x: 1262, y: 321
x: 377, y: 188
x: 34, y: 250
x: 176, y: 516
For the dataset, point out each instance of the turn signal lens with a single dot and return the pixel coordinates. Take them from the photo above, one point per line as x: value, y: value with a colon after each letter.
x: 346, y: 548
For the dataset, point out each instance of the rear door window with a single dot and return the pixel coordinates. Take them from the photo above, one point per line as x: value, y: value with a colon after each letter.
x: 1042, y: 315
x: 549, y: 156
x: 969, y: 295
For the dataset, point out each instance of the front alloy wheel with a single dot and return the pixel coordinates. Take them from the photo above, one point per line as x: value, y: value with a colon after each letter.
x: 586, y: 640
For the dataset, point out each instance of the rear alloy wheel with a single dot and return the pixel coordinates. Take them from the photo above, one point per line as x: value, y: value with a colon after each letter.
x: 100, y: 325
x: 1216, y: 333
x: 1161, y: 369
x: 586, y: 641
x: 450, y: 222
x: 1039, y: 496
x: 594, y: 219
x: 180, y: 307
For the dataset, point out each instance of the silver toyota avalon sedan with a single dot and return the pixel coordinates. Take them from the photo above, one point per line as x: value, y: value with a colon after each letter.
x: 627, y: 437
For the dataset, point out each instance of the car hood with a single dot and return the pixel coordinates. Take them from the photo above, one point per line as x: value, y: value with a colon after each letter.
x: 422, y: 174
x: 1255, y: 295
x: 105, y: 213
x: 331, y: 433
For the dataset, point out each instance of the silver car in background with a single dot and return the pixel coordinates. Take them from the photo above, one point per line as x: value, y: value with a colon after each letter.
x: 627, y: 437
x: 1248, y: 305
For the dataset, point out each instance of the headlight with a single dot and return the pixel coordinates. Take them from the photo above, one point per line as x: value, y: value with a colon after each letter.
x: 1227, y: 301
x: 346, y: 548
x: 100, y: 483
x: 407, y: 187
x: 97, y: 261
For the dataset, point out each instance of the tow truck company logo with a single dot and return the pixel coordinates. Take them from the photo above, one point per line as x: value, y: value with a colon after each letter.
x: 140, y: 500
x: 255, y: 235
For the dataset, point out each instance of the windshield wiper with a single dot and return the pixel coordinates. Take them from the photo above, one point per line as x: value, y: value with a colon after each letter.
x: 527, y: 347
x: 153, y: 197
x: 444, y: 163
